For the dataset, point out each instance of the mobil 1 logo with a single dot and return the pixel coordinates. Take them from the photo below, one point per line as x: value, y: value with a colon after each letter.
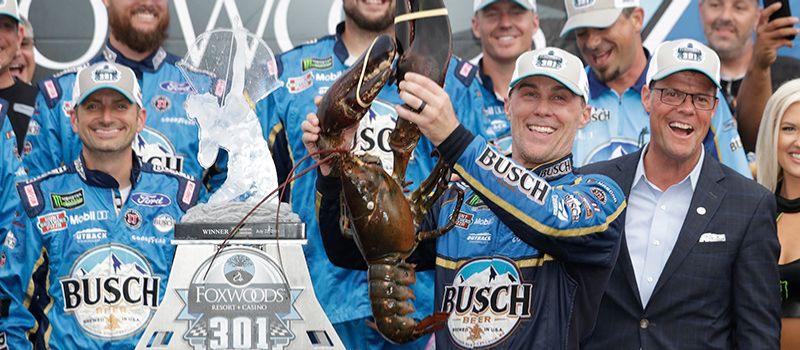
x: 244, y: 302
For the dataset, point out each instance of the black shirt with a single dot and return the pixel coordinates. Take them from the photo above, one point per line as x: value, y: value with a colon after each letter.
x: 22, y: 99
x: 784, y: 69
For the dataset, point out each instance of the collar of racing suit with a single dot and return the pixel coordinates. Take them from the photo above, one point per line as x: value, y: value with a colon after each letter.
x: 554, y: 170
x: 338, y: 48
x: 597, y: 87
x: 149, y: 64
x: 98, y: 178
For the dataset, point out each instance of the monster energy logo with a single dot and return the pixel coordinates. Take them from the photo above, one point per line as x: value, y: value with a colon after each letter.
x: 317, y: 63
x: 68, y: 200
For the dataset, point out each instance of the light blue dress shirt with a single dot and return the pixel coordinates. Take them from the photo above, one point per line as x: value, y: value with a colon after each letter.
x: 653, y: 222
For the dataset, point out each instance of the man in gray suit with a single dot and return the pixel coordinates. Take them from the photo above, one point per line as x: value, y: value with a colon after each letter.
x: 697, y: 268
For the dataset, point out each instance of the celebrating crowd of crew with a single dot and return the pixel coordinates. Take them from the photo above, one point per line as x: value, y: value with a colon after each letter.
x: 608, y: 199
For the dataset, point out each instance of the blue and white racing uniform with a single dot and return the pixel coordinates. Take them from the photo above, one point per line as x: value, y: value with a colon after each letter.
x: 528, y: 259
x: 98, y: 269
x: 10, y: 172
x: 169, y: 138
x: 620, y: 125
x: 479, y: 108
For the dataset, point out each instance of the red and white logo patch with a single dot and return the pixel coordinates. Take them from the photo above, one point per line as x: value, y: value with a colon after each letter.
x: 464, y: 220
x: 52, y: 222
x: 133, y: 219
x: 30, y: 194
x: 219, y: 87
x: 465, y: 69
x: 187, y: 193
x: 300, y: 84
x: 50, y: 86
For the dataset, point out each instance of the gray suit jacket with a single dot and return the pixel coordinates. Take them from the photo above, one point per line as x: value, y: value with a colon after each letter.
x: 711, y: 295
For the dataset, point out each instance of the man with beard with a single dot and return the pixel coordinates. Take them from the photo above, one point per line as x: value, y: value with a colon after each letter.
x: 609, y: 38
x: 309, y: 70
x: 750, y: 64
x: 505, y: 29
x: 24, y: 65
x: 169, y: 139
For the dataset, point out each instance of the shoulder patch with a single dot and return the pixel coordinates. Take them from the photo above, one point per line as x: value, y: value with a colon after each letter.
x: 31, y: 198
x: 51, y: 90
x: 57, y: 171
x: 71, y: 70
x: 188, y: 189
x: 465, y: 71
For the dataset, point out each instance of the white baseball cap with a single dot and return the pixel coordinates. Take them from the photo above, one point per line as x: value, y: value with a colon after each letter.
x: 106, y: 75
x: 683, y: 55
x: 526, y: 4
x: 593, y: 13
x: 554, y: 63
x: 9, y: 8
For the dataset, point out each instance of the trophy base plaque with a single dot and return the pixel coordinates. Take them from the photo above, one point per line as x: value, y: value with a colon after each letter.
x: 256, y: 293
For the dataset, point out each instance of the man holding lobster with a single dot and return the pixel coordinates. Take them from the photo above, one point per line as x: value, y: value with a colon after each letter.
x: 533, y: 278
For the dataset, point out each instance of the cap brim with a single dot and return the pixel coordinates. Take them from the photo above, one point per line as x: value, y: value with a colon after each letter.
x: 555, y: 77
x: 593, y: 19
x: 98, y: 88
x: 669, y: 72
x: 9, y: 14
x: 520, y: 3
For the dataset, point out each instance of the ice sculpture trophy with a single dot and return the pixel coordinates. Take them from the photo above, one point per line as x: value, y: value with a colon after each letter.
x: 256, y: 293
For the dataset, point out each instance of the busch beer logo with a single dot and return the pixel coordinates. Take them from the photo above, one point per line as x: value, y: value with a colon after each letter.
x: 244, y: 303
x: 486, y: 302
x: 151, y: 199
x: 531, y: 185
x: 154, y: 148
x: 557, y: 170
x: 111, y: 291
x: 689, y: 53
x: 105, y: 74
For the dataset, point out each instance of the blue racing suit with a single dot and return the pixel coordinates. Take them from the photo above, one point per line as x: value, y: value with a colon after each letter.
x: 10, y: 172
x: 96, y: 265
x: 308, y: 71
x: 169, y: 138
x: 620, y: 125
x: 480, y: 109
x: 529, y: 257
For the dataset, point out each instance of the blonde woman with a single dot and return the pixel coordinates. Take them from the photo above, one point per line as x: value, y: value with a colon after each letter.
x: 778, y: 159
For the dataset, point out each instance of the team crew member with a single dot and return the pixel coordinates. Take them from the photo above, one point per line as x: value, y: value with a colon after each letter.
x: 24, y: 65
x: 16, y: 97
x: 137, y: 29
x: 309, y: 70
x: 500, y: 292
x: 700, y: 249
x: 608, y: 34
x: 101, y: 225
x: 505, y: 29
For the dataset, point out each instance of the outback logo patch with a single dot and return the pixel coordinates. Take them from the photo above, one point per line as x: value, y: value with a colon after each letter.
x: 67, y: 200
x: 90, y: 235
x: 317, y: 63
x: 689, y: 53
x: 151, y: 199
x: 464, y: 220
x: 52, y: 222
x: 534, y: 187
x: 482, y: 238
x: 486, y: 301
x: 549, y: 60
x: 105, y: 74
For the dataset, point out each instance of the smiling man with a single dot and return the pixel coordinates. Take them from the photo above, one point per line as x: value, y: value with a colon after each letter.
x: 533, y: 244
x: 24, y: 66
x: 608, y: 34
x: 108, y: 256
x: 698, y: 264
x: 137, y: 30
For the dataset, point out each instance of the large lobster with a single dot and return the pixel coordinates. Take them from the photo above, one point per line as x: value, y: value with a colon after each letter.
x: 376, y: 213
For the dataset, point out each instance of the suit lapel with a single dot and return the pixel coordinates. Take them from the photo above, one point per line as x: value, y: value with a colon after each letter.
x: 708, y: 194
x: 627, y: 170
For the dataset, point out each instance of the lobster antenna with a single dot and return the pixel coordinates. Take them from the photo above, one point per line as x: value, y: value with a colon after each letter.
x: 363, y: 73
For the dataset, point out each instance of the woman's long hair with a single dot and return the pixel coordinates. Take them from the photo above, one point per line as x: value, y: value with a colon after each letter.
x: 769, y: 172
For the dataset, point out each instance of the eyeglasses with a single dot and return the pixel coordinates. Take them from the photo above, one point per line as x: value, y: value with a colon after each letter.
x: 674, y: 97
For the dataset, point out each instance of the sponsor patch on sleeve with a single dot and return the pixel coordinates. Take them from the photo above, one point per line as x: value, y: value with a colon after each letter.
x: 52, y: 222
x: 188, y: 193
x: 30, y: 195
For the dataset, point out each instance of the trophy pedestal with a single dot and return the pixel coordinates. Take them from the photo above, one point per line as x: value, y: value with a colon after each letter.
x: 247, y: 298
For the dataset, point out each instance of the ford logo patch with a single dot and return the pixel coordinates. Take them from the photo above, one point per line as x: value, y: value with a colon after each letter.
x: 151, y: 200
